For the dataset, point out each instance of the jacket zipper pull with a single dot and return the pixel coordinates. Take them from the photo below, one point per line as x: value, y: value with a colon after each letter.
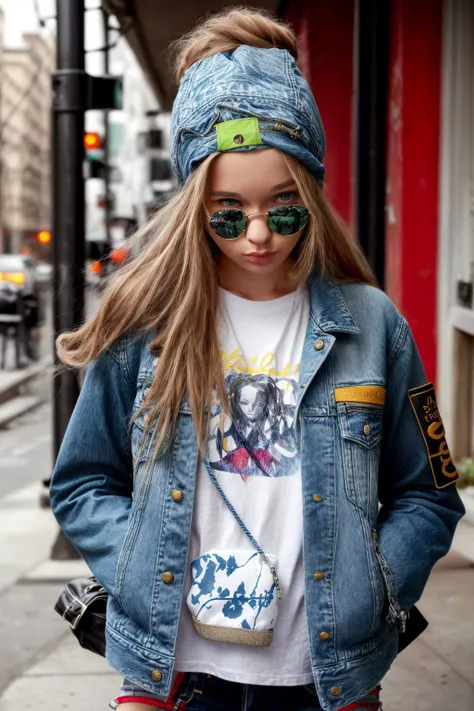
x: 395, y: 614
x: 402, y: 621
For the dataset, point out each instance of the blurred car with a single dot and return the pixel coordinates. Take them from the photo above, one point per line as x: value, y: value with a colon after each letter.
x: 18, y: 274
x: 19, y: 270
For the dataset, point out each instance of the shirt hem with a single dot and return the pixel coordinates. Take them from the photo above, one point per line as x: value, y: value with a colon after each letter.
x: 244, y: 678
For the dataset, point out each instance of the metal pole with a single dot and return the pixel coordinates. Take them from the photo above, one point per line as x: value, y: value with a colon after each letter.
x: 372, y: 35
x: 108, y: 238
x: 69, y: 104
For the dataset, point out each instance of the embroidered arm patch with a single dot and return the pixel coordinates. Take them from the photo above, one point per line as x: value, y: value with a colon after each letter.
x: 425, y: 407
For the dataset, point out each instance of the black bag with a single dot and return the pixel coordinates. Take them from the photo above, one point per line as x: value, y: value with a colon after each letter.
x: 416, y: 624
x: 83, y: 604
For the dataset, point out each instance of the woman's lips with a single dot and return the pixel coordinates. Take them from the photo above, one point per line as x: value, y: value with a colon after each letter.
x: 260, y: 257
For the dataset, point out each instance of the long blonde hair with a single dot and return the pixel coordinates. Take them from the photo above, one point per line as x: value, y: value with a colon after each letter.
x: 171, y: 288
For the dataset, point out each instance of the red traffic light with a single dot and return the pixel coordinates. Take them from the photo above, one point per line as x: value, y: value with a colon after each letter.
x: 96, y: 267
x: 118, y: 255
x: 92, y: 140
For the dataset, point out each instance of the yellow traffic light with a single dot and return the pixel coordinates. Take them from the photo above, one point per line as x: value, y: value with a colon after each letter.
x: 44, y: 236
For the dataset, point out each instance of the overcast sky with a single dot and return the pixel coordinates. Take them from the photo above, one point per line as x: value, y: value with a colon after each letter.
x: 20, y: 17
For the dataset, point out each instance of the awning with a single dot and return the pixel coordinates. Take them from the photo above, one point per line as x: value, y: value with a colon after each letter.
x: 151, y: 25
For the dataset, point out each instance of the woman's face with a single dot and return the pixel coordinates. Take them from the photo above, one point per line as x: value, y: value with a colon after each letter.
x: 253, y: 181
x: 252, y: 403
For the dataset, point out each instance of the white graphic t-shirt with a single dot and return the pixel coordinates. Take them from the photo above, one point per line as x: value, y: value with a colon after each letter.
x: 254, y: 455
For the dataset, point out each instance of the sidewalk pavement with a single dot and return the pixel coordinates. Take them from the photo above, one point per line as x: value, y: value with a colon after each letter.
x: 436, y: 673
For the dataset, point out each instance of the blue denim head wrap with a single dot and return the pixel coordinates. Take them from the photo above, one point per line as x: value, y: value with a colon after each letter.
x: 263, y: 86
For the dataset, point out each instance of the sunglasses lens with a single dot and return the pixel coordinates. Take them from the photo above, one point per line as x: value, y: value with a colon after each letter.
x: 228, y: 224
x: 288, y: 220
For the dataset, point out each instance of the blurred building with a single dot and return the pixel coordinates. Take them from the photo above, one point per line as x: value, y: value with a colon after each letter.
x: 137, y: 145
x: 25, y: 111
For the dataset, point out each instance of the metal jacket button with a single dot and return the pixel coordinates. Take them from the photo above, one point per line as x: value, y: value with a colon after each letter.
x: 319, y: 576
x: 167, y: 578
x: 177, y: 495
x: 324, y: 636
x: 366, y: 429
x: 317, y: 498
x: 156, y: 675
x: 319, y: 345
x: 336, y: 690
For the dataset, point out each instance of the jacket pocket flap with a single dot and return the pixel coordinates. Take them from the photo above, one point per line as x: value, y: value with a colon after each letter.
x: 361, y: 424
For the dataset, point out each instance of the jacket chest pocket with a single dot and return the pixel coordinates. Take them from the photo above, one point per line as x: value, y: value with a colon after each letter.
x: 360, y: 426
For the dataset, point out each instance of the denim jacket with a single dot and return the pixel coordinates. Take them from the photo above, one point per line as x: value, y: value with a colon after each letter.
x: 380, y: 504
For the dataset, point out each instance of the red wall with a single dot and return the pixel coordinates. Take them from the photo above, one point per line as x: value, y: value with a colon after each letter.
x: 326, y: 32
x: 413, y: 165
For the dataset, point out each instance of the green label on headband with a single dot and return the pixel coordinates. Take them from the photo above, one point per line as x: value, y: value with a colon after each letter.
x: 236, y: 133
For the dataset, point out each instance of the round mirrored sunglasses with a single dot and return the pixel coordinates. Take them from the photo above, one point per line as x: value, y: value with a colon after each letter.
x: 286, y: 221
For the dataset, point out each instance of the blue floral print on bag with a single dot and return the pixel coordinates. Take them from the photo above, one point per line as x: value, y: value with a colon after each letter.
x: 233, y: 597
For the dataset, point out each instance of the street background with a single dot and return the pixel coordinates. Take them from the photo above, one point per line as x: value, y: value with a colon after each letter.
x: 394, y: 83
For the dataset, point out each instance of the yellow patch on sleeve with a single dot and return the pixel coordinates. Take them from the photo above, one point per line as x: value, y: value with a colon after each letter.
x: 425, y: 408
x: 370, y: 394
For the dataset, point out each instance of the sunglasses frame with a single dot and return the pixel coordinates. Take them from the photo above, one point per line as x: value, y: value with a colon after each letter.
x: 248, y: 216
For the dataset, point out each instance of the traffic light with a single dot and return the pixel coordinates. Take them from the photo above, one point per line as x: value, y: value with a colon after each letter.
x: 44, y: 236
x: 118, y: 255
x: 94, y: 166
x: 96, y: 169
x: 92, y: 141
x: 96, y: 267
x: 104, y: 92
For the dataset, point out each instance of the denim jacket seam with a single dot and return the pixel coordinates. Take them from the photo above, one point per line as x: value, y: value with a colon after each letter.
x: 400, y: 341
x: 121, y: 361
x: 292, y: 84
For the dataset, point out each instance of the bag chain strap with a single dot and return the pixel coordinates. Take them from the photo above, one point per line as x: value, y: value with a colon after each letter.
x: 244, y: 528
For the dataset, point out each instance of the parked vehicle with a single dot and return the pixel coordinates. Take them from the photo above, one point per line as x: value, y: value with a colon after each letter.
x: 20, y: 306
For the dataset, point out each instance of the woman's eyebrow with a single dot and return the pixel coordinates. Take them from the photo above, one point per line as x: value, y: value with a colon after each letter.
x: 280, y: 186
x: 286, y: 184
x: 223, y: 192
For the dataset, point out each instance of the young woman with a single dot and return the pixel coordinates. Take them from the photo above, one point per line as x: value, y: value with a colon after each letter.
x: 256, y: 469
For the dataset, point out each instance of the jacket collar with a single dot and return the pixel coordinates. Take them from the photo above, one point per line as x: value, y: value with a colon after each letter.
x: 328, y: 308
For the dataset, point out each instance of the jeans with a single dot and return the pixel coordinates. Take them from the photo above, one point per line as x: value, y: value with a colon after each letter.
x: 203, y: 692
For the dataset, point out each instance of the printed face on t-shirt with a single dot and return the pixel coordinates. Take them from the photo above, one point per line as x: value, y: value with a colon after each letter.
x: 252, y: 403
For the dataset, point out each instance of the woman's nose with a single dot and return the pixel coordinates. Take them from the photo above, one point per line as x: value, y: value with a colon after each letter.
x: 258, y: 231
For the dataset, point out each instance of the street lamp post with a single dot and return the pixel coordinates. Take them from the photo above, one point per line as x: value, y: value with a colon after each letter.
x: 69, y: 105
x: 107, y: 208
